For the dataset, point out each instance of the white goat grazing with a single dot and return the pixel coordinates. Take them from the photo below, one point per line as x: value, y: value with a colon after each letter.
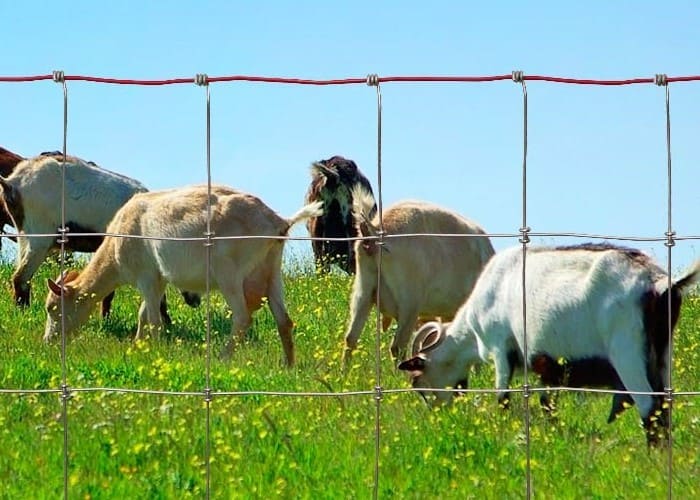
x: 32, y: 197
x: 421, y: 276
x: 244, y: 270
x: 597, y: 304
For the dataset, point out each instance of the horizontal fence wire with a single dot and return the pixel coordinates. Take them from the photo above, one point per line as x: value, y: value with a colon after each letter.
x: 524, y: 234
x: 351, y: 81
x: 341, y: 393
x: 203, y: 239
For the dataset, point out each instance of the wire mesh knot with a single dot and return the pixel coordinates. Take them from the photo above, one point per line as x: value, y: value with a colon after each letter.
x: 518, y: 76
x: 373, y: 80
x: 670, y: 238
x: 208, y: 396
x: 526, y: 391
x: 59, y: 76
x: 209, y: 235
x: 65, y: 393
x: 378, y: 394
x: 661, y: 79
x: 63, y: 231
x: 668, y: 397
x: 524, y: 234
x: 379, y: 239
x: 201, y: 79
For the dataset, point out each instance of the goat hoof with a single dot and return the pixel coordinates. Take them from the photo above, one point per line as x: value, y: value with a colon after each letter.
x: 657, y: 438
x: 22, y: 300
x: 227, y: 352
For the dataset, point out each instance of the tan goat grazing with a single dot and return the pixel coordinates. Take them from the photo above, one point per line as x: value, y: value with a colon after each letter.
x: 421, y: 276
x: 244, y: 269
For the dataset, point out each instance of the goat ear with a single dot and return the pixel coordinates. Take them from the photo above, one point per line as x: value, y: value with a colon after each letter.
x: 369, y: 246
x: 56, y: 288
x: 69, y: 276
x: 415, y: 365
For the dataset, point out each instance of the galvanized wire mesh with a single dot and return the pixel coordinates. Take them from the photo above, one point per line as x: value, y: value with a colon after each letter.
x: 208, y: 239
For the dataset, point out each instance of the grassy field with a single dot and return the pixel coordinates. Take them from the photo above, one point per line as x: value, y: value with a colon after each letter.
x: 132, y: 445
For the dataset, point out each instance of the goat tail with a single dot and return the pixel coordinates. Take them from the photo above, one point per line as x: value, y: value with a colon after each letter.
x: 690, y: 277
x: 313, y: 209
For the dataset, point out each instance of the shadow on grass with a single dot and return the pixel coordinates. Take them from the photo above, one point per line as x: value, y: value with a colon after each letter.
x: 189, y: 324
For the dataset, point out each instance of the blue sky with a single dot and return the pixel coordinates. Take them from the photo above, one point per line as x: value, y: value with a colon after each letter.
x: 596, y: 155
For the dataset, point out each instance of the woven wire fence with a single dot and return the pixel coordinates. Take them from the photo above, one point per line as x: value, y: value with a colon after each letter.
x: 524, y: 235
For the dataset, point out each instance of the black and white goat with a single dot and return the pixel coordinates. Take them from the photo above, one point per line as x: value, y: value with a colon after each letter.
x: 332, y: 182
x: 592, y: 305
x: 31, y: 194
x: 8, y: 162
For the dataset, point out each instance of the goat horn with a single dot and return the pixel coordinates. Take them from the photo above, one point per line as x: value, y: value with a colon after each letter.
x: 422, y: 334
x: 436, y: 339
x: 326, y: 170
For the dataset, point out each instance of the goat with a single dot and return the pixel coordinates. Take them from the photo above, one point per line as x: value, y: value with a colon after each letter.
x: 420, y: 278
x: 31, y: 202
x: 31, y: 195
x: 332, y: 182
x: 589, y: 372
x: 590, y: 303
x: 8, y: 162
x: 244, y: 270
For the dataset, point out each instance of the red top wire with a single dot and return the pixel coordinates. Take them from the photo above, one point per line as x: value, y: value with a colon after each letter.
x: 349, y: 81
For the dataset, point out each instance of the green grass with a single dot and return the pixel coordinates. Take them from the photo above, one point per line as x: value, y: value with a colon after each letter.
x: 129, y: 445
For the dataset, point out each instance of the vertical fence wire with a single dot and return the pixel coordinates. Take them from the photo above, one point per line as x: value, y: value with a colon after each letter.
x: 525, y: 240
x: 662, y: 80
x: 202, y: 80
x: 373, y: 80
x: 59, y: 77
